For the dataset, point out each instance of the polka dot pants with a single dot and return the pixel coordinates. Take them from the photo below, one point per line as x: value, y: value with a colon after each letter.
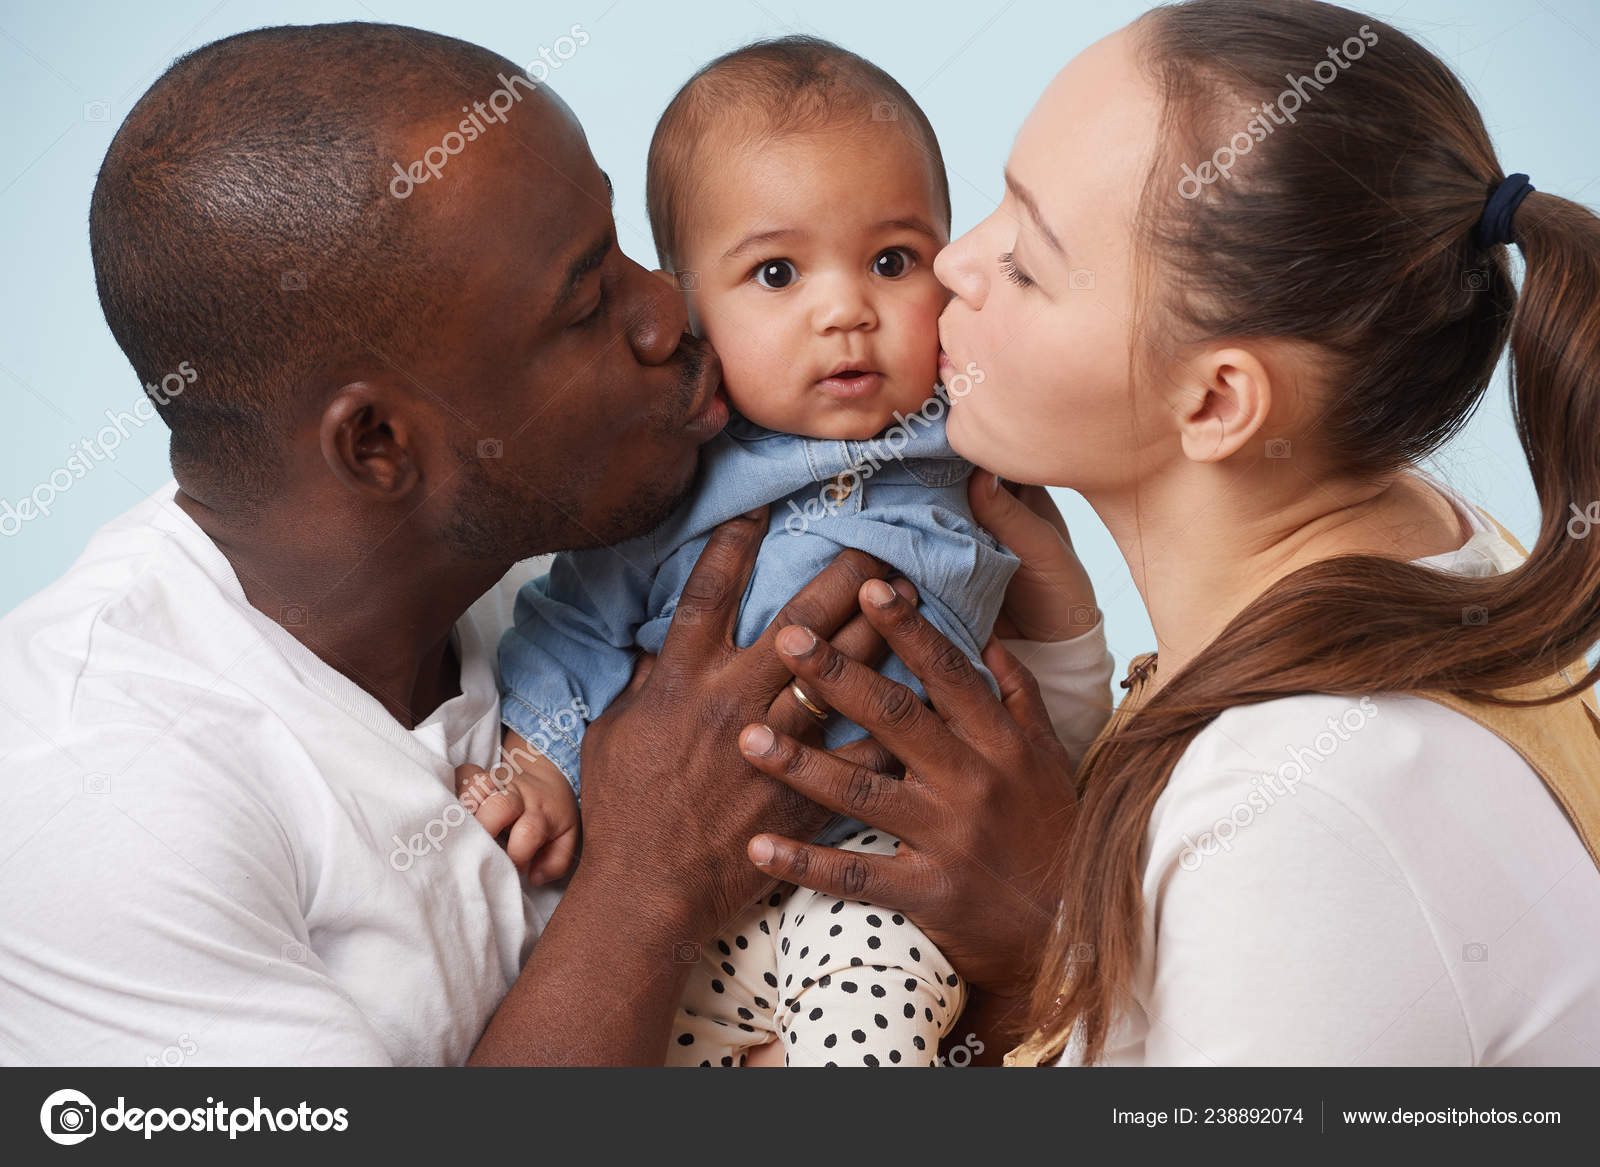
x: 838, y: 982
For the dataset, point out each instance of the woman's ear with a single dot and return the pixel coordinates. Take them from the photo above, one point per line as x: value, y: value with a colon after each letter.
x: 1230, y: 394
x: 367, y: 443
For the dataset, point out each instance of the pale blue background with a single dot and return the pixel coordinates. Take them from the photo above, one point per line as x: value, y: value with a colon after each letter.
x: 976, y: 69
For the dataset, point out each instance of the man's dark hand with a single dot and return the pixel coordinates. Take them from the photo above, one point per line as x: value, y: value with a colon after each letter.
x: 668, y: 803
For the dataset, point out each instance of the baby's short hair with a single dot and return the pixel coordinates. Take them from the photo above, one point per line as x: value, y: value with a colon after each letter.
x: 788, y: 85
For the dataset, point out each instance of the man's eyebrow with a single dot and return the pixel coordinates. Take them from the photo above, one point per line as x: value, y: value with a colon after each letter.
x: 760, y: 237
x: 578, y: 269
x: 1027, y: 200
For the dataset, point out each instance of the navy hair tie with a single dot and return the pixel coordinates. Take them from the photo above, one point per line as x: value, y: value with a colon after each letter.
x: 1495, y: 225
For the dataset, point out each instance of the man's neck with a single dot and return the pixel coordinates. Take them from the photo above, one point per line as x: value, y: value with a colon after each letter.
x: 378, y: 609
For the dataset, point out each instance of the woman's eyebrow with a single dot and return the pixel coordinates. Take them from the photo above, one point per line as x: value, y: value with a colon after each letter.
x: 1027, y: 200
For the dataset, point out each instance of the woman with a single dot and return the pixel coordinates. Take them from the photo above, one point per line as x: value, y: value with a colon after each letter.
x: 1313, y: 833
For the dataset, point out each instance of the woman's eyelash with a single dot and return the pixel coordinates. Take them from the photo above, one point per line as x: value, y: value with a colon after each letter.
x: 1013, y: 273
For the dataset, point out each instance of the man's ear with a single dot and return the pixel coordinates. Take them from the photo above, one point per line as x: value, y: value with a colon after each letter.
x: 368, y: 442
x: 1227, y: 396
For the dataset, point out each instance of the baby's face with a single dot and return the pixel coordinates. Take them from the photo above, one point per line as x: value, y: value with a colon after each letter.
x: 813, y: 256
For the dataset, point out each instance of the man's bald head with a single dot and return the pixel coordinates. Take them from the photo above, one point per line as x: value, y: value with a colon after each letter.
x: 243, y: 221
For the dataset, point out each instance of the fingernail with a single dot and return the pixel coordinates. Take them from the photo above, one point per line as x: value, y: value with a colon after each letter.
x: 761, y: 850
x: 994, y: 484
x: 758, y: 740
x: 758, y: 513
x: 796, y: 641
x: 878, y: 593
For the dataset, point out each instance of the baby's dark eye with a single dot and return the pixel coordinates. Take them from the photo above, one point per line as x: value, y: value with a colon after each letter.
x: 776, y: 273
x: 894, y: 263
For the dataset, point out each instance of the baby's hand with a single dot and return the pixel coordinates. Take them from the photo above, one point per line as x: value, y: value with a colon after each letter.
x: 534, y: 815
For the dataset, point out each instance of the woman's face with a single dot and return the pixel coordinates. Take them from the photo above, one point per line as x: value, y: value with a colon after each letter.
x: 1043, y: 288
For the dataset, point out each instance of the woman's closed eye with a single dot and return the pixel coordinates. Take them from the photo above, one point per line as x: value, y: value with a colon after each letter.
x: 1008, y: 266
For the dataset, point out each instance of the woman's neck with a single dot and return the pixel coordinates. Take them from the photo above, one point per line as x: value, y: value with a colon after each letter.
x: 1206, y: 540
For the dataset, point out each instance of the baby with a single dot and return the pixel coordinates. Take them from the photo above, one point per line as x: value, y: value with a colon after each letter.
x: 798, y: 196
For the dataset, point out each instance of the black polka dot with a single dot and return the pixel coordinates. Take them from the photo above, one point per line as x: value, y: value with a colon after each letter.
x: 836, y: 929
x: 929, y: 1013
x: 814, y: 1014
x: 848, y: 986
x: 879, y: 990
x: 880, y: 1021
x: 897, y: 918
x: 838, y: 907
x: 748, y: 1028
x: 874, y: 942
x: 728, y: 968
x: 875, y: 920
x: 915, y: 955
x: 740, y: 942
x: 706, y: 1065
x: 763, y: 926
x: 871, y: 1060
x: 857, y: 1036
x: 826, y: 957
x: 830, y: 1041
x: 722, y: 947
x: 770, y: 979
x: 772, y: 900
x: 745, y: 1013
x: 879, y: 967
x: 951, y: 981
x: 918, y: 1042
x: 761, y: 1003
x: 856, y: 962
x: 911, y: 983
x: 894, y: 1056
x: 717, y: 987
x: 793, y: 1037
x: 827, y: 979
x: 870, y: 839
x: 685, y: 1039
x: 911, y: 1010
x: 784, y: 947
x: 727, y: 1060
x: 804, y: 951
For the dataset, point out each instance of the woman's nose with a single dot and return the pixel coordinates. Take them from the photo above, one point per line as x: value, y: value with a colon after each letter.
x: 958, y: 268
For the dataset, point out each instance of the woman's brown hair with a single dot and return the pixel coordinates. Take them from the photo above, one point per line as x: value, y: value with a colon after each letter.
x: 1352, y: 228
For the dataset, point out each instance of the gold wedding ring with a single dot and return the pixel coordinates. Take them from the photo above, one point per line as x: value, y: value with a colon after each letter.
x: 807, y: 703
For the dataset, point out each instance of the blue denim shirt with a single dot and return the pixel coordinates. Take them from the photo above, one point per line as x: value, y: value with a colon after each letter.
x: 902, y: 497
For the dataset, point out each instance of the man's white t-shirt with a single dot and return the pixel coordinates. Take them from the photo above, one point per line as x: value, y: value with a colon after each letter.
x: 1373, y: 881
x: 212, y: 837
x: 220, y: 850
